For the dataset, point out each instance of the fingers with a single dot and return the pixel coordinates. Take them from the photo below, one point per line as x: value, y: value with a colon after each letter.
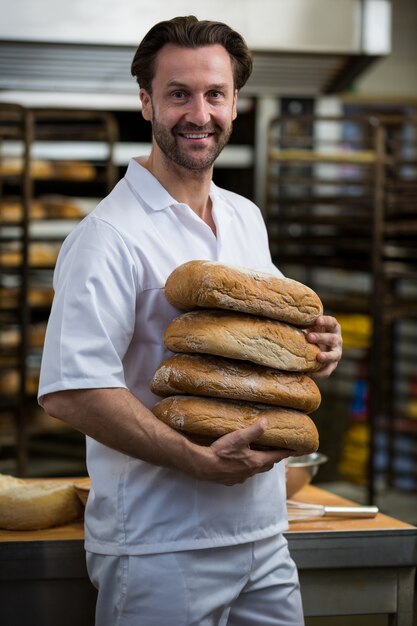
x: 326, y: 334
x: 254, y: 462
x: 325, y: 370
x: 236, y: 461
x: 245, y: 436
x: 326, y: 331
x: 240, y: 439
x: 325, y: 323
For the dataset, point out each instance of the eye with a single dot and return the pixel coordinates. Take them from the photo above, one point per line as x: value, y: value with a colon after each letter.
x: 215, y: 94
x: 178, y: 95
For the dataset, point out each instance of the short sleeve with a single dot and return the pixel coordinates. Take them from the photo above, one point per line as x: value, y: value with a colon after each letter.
x: 93, y: 314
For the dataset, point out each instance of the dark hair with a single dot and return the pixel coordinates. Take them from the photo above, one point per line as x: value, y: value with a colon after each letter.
x: 189, y: 32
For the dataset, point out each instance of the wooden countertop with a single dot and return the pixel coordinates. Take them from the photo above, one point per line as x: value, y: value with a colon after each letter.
x: 309, y: 494
x: 314, y: 495
x: 368, y: 564
x: 73, y: 531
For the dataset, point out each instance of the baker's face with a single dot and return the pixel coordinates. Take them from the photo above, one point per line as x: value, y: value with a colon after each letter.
x: 192, y: 105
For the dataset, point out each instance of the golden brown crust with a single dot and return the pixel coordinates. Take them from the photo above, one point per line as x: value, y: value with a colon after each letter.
x: 207, y: 284
x: 226, y: 378
x: 213, y: 418
x: 39, y: 168
x: 74, y: 170
x: 34, y: 506
x: 50, y: 207
x: 244, y: 337
x: 40, y: 255
x: 12, y: 210
x: 61, y: 207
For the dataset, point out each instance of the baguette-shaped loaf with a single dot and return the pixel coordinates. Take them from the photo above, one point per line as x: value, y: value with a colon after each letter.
x: 208, y: 284
x: 33, y: 506
x: 213, y: 376
x: 211, y: 418
x: 243, y: 337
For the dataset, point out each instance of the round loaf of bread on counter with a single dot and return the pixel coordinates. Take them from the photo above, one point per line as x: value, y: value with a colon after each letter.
x: 208, y: 284
x: 38, y: 505
x: 243, y: 337
x: 8, y: 482
x: 212, y: 418
x: 213, y: 376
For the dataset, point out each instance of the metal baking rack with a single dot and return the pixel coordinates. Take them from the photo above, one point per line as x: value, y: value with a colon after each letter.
x: 341, y: 213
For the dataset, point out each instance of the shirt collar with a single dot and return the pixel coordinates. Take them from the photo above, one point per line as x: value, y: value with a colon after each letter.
x: 149, y: 189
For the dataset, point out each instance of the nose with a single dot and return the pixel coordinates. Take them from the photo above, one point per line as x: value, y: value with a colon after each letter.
x: 199, y: 111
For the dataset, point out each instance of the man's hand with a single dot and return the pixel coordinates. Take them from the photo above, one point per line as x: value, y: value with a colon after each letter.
x: 327, y: 335
x: 232, y: 460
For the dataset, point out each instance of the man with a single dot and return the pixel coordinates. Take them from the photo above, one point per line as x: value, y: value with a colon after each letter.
x: 176, y: 533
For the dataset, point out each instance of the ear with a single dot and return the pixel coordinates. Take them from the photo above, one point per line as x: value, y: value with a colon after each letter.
x: 234, y: 109
x: 146, y: 101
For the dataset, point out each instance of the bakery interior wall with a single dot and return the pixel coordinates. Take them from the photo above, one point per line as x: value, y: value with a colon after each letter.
x: 113, y: 130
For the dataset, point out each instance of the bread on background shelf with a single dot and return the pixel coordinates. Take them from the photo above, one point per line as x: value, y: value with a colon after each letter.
x: 40, y: 255
x: 44, y: 208
x: 47, y: 170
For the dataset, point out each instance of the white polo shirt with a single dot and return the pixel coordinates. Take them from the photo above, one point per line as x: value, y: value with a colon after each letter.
x: 106, y: 330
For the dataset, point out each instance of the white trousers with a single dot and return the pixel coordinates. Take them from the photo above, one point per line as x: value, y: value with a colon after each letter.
x: 254, y: 584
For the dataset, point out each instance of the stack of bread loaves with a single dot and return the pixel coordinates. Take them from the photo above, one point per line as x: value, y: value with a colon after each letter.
x: 242, y: 354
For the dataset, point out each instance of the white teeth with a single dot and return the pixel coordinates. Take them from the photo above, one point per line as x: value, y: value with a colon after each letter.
x: 196, y: 136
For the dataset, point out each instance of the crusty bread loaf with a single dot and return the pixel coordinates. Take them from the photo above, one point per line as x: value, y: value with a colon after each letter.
x: 13, y: 166
x: 74, y: 170
x: 213, y: 376
x: 38, y: 296
x: 61, y: 207
x: 69, y: 170
x: 57, y: 207
x: 33, y: 506
x: 244, y: 337
x: 207, y: 284
x: 7, y: 482
x: 43, y: 254
x: 212, y: 418
x: 40, y: 255
x: 12, y: 210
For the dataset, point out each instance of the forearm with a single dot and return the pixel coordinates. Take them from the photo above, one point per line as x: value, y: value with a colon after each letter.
x: 117, y: 419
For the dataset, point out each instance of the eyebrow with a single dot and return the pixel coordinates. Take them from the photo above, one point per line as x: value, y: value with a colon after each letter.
x: 178, y: 85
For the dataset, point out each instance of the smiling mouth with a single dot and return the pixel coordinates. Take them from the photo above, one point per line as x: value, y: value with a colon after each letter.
x: 195, y: 135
